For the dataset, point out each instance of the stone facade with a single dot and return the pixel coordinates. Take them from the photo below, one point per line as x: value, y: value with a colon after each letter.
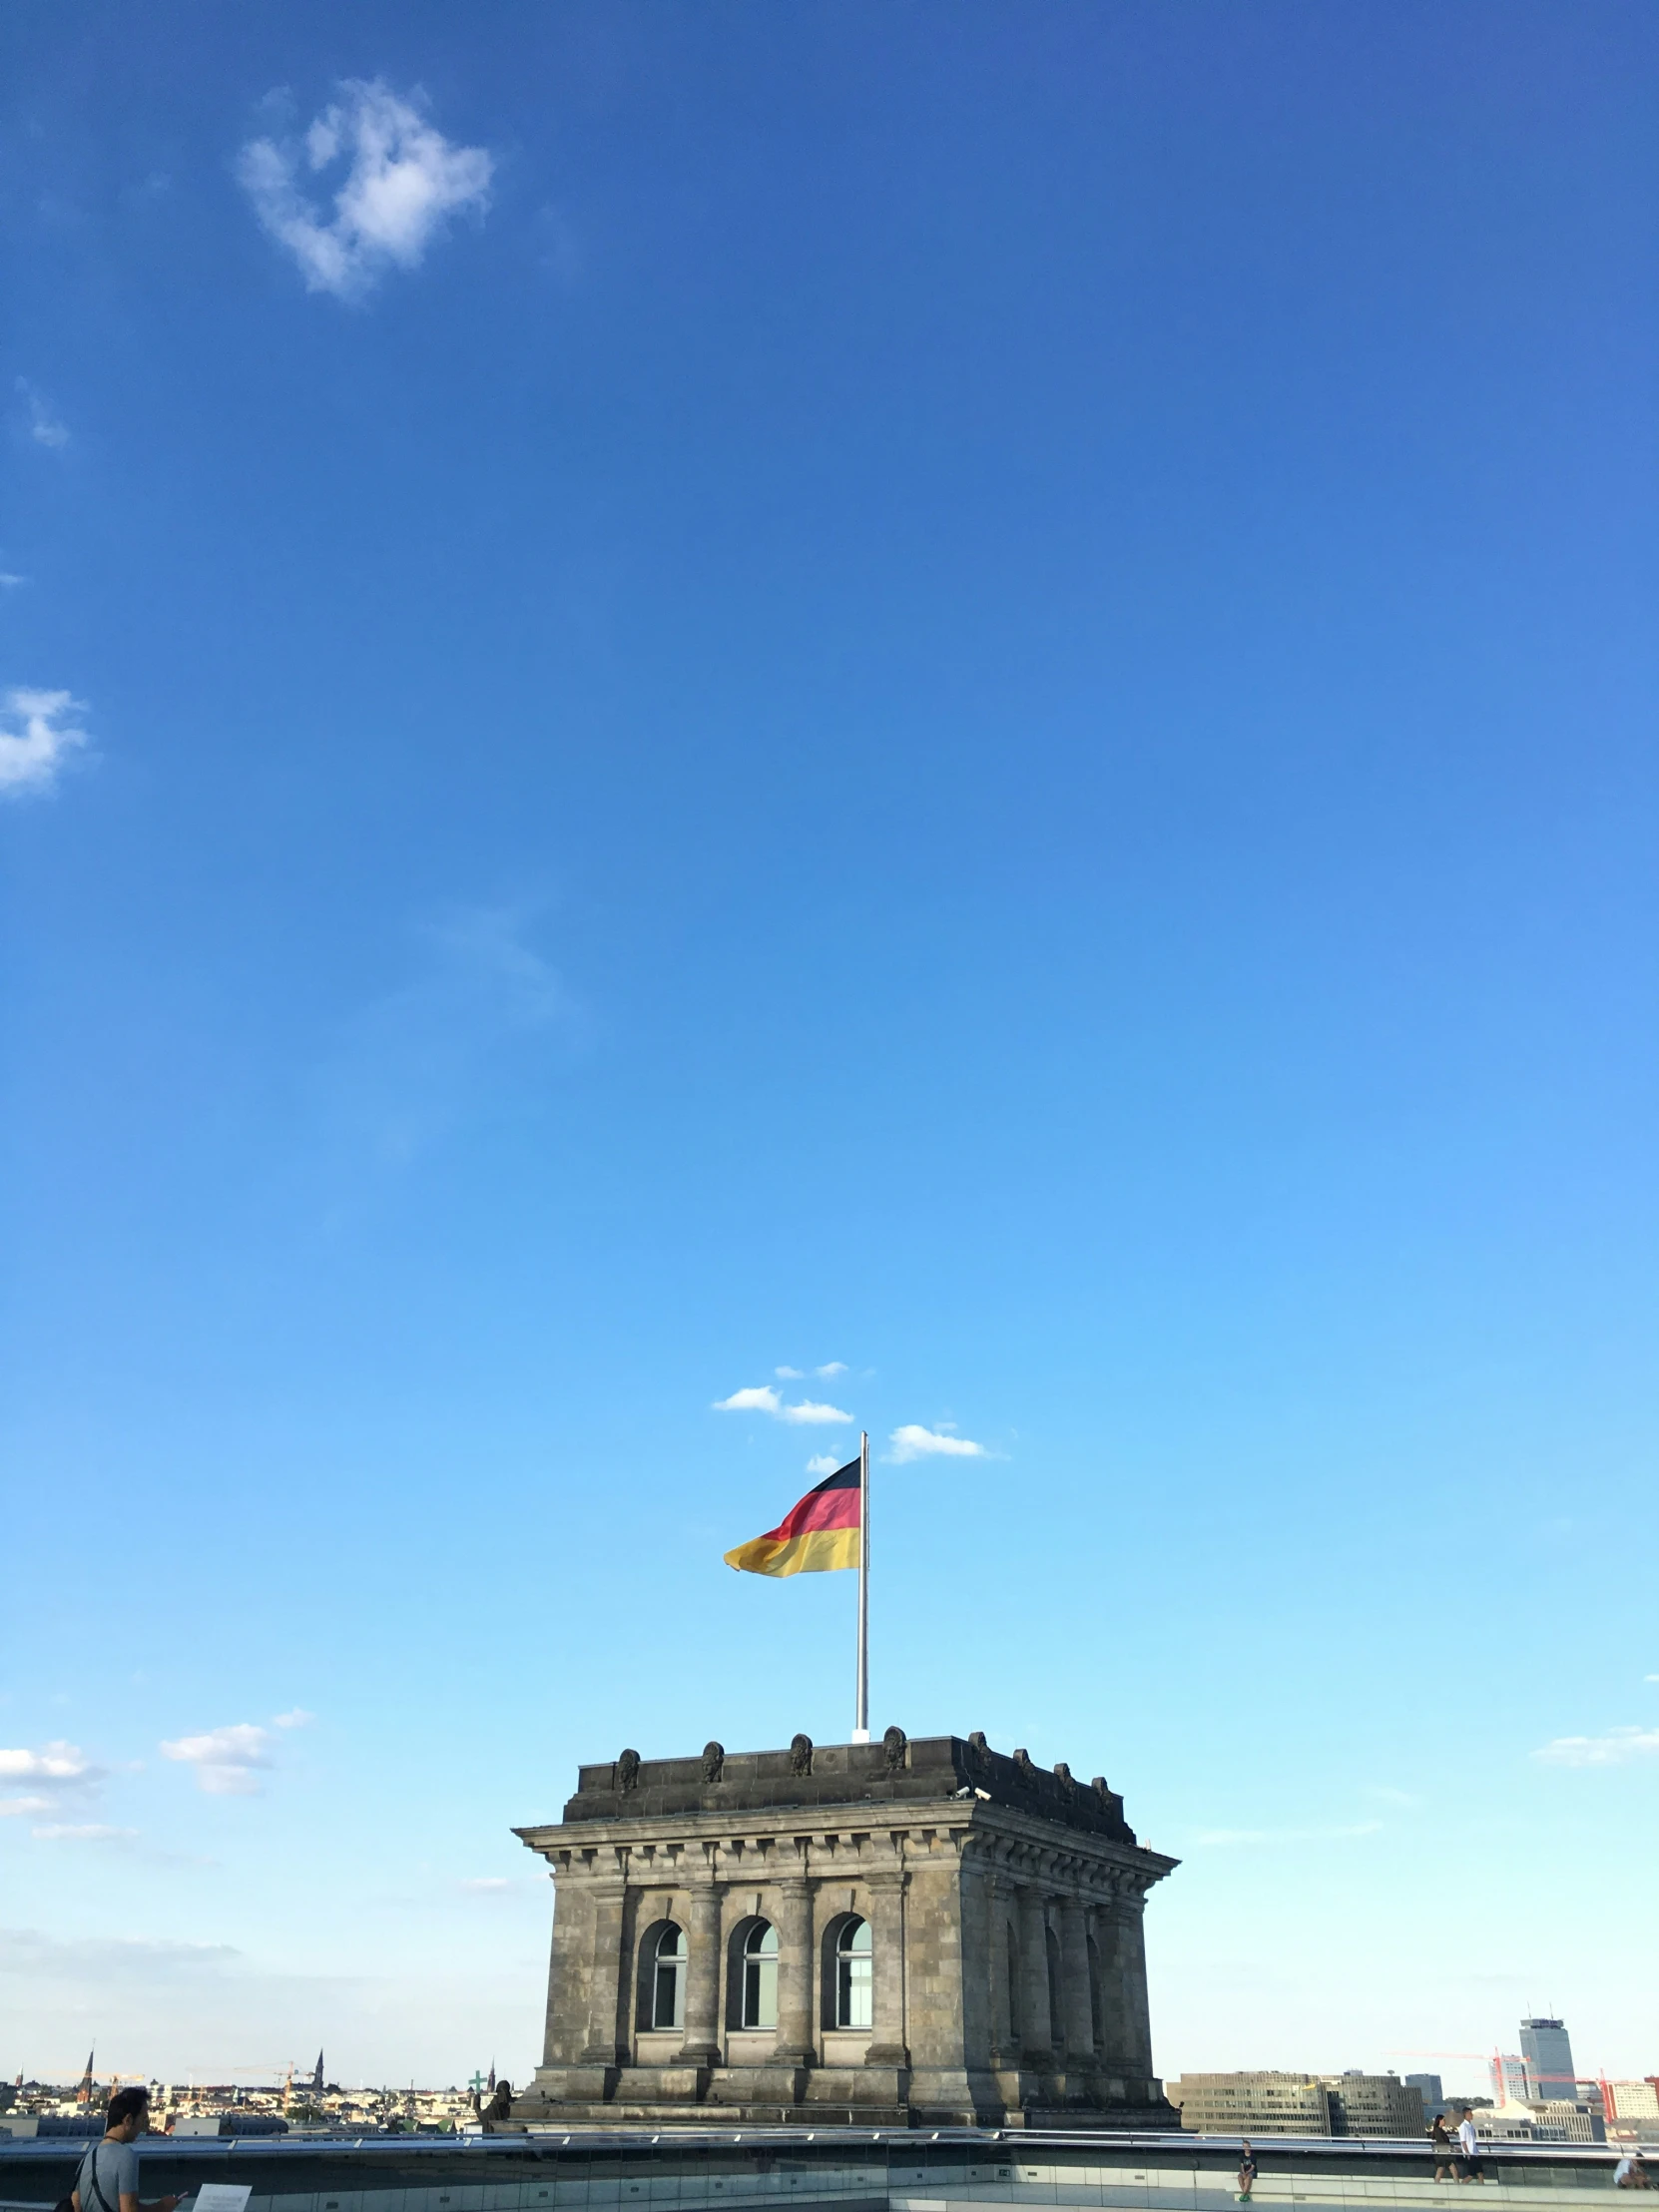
x: 882, y: 1935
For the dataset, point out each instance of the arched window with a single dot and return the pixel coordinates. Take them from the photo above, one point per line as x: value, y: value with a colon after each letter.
x: 854, y: 1976
x: 759, y: 1976
x: 667, y: 2001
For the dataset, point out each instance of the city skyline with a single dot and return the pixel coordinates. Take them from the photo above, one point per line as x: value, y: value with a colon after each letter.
x: 723, y: 727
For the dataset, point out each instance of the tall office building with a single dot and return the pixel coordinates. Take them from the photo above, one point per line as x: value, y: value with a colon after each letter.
x: 1547, y: 2052
x: 1429, y: 2088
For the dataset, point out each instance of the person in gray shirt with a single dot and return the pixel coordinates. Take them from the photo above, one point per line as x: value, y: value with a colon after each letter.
x: 109, y: 2176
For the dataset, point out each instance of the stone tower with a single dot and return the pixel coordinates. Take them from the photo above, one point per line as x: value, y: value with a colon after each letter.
x: 883, y: 1934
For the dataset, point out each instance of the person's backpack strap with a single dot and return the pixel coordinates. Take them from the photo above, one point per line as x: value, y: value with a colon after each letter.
x: 91, y: 2168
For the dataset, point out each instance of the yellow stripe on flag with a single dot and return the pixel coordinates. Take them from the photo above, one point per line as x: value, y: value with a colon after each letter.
x: 817, y: 1551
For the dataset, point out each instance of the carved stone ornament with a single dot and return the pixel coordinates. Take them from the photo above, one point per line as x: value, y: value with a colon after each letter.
x: 1023, y: 1767
x: 800, y: 1754
x: 713, y: 1761
x: 1062, y: 1775
x: 1098, y: 1786
x: 892, y: 1749
x: 628, y: 1770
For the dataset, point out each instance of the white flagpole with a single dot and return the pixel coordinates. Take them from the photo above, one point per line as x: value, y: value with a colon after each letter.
x: 861, y: 1723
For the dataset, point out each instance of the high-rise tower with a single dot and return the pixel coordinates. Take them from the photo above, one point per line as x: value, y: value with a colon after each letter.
x: 1547, y: 2051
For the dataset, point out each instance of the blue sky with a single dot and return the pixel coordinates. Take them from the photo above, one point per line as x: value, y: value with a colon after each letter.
x: 959, y: 694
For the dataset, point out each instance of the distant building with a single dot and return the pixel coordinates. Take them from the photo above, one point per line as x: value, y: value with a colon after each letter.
x: 1509, y: 2083
x: 1251, y: 2104
x: 1429, y: 2088
x: 1563, y: 2121
x: 1632, y: 2100
x: 1296, y: 2104
x: 1376, y: 2104
x: 1547, y: 2052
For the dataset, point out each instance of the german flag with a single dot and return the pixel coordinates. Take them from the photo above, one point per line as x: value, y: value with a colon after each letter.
x: 819, y: 1533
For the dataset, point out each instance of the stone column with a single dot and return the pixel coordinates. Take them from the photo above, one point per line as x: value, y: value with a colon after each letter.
x: 998, y: 1900
x: 605, y: 1974
x: 1036, y: 2035
x: 702, y: 2044
x: 1137, y: 2018
x: 795, y: 2045
x: 1077, y: 2011
x: 886, y: 1935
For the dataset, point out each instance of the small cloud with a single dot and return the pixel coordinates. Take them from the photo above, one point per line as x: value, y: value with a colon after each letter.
x: 1224, y: 1839
x: 823, y: 1463
x: 913, y: 1441
x: 403, y: 179
x: 788, y: 1374
x: 55, y: 1762
x: 223, y: 1758
x: 44, y: 426
x: 9, y: 582
x: 1388, y: 1796
x: 485, y: 1884
x: 763, y: 1399
x: 1650, y: 1678
x: 1612, y: 1750
x: 19, y: 1808
x: 299, y: 1718
x: 35, y: 740
x: 85, y: 1832
x: 832, y: 1366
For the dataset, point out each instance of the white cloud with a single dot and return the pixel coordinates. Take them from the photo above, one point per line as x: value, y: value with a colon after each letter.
x: 9, y: 582
x: 59, y: 1772
x: 823, y: 1463
x: 1220, y: 1839
x: 1650, y: 1678
x: 299, y: 1718
x: 1611, y: 1749
x: 35, y: 738
x: 223, y: 1758
x: 913, y: 1441
x: 55, y: 1763
x: 765, y: 1399
x: 832, y: 1366
x: 44, y: 426
x: 403, y: 179
x: 788, y: 1374
x: 484, y: 1884
x: 85, y: 1832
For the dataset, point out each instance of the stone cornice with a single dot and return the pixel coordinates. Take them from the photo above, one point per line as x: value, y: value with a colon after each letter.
x: 827, y: 1841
